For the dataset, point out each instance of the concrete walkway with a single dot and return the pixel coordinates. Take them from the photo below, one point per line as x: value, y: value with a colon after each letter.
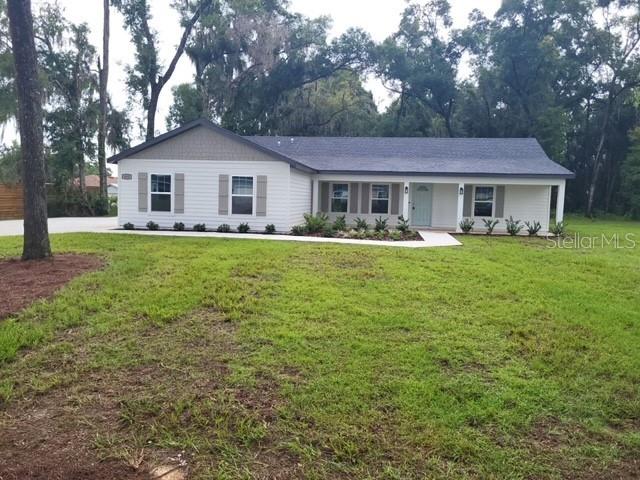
x: 110, y: 225
x: 63, y: 225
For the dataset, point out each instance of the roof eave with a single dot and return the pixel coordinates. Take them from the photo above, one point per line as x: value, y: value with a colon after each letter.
x: 566, y: 176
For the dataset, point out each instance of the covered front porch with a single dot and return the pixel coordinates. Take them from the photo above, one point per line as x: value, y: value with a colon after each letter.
x: 439, y: 203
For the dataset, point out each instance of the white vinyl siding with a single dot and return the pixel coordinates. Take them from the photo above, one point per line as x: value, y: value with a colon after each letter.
x: 445, y: 205
x: 201, y: 192
x: 527, y: 203
x: 299, y: 198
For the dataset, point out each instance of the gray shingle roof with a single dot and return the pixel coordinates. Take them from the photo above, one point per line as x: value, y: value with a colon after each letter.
x: 446, y: 156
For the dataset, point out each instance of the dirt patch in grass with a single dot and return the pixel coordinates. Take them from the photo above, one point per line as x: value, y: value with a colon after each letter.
x: 23, y: 282
x: 47, y: 440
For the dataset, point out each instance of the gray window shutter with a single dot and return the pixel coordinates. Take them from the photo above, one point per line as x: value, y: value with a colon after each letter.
x: 324, y: 197
x: 179, y: 193
x: 364, y: 204
x: 468, y: 201
x: 395, y: 199
x: 353, y: 198
x: 223, y: 195
x: 261, y: 196
x: 143, y: 191
x: 500, y: 202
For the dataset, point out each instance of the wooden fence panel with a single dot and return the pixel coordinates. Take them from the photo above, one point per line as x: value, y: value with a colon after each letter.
x: 10, y: 202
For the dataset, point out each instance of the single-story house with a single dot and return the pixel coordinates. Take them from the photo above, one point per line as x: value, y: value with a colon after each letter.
x: 92, y: 183
x: 201, y: 173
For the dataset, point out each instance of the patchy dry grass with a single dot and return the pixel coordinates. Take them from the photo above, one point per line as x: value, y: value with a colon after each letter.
x: 501, y: 359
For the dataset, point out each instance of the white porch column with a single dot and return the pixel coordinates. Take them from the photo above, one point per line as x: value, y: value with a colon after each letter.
x: 405, y: 201
x: 560, y: 202
x: 460, y: 210
x: 315, y: 195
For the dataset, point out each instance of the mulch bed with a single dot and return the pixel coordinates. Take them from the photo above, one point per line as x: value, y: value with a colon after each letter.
x: 23, y: 282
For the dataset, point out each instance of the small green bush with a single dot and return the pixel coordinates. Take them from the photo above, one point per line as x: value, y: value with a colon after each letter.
x: 224, y: 228
x: 533, y: 228
x: 328, y: 232
x: 243, y: 228
x: 362, y: 225
x: 340, y: 224
x: 490, y: 224
x: 403, y: 224
x: 129, y: 226
x: 395, y: 235
x: 270, y: 229
x: 298, y: 230
x: 151, y: 225
x: 199, y: 227
x: 466, y: 225
x: 514, y: 227
x: 178, y: 226
x: 559, y: 229
x: 381, y: 224
x: 315, y: 223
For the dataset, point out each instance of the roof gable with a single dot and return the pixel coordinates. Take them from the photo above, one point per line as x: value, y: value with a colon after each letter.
x: 202, y: 140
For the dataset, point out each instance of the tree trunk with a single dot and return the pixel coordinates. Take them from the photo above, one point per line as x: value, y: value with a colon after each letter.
x: 102, y: 121
x: 36, y: 234
x: 157, y: 85
x: 151, y: 114
x: 597, y: 161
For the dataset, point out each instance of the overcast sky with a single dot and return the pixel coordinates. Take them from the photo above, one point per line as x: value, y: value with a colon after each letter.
x: 379, y: 17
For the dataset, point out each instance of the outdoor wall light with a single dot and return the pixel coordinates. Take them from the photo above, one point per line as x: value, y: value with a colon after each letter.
x: 406, y: 189
x: 461, y: 190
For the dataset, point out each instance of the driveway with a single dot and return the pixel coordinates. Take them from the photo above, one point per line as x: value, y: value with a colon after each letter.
x: 63, y: 225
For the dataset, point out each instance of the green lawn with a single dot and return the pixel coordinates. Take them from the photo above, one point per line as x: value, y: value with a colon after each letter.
x: 503, y: 358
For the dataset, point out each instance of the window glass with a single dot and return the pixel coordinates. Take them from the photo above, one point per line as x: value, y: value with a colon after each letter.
x: 160, y: 193
x: 483, y: 202
x: 242, y: 196
x: 379, y: 198
x: 242, y: 186
x: 339, y: 197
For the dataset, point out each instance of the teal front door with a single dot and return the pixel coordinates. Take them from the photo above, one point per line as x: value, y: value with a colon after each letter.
x: 421, y: 198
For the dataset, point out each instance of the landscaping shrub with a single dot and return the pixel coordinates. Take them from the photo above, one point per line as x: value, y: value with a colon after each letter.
x: 396, y: 235
x: 533, y: 228
x: 315, y: 223
x: 403, y: 224
x: 328, y: 232
x: 298, y: 230
x: 224, y: 228
x: 381, y: 224
x: 340, y: 225
x: 151, y: 225
x: 362, y: 225
x: 199, y: 227
x: 243, y: 228
x: 178, y: 226
x: 129, y: 226
x: 559, y: 229
x: 490, y: 224
x: 466, y: 225
x: 513, y: 226
x: 270, y: 229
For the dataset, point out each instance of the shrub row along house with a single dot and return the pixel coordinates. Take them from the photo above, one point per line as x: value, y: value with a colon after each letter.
x: 201, y: 173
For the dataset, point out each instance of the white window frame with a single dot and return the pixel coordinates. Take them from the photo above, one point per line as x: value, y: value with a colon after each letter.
x: 151, y: 193
x: 331, y: 197
x: 493, y: 202
x: 371, y: 199
x: 253, y: 196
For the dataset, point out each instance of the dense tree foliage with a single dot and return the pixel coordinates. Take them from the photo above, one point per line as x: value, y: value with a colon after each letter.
x: 566, y: 72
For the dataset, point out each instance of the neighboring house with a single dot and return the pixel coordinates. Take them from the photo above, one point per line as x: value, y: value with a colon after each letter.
x: 201, y: 173
x: 11, y: 201
x: 92, y: 183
